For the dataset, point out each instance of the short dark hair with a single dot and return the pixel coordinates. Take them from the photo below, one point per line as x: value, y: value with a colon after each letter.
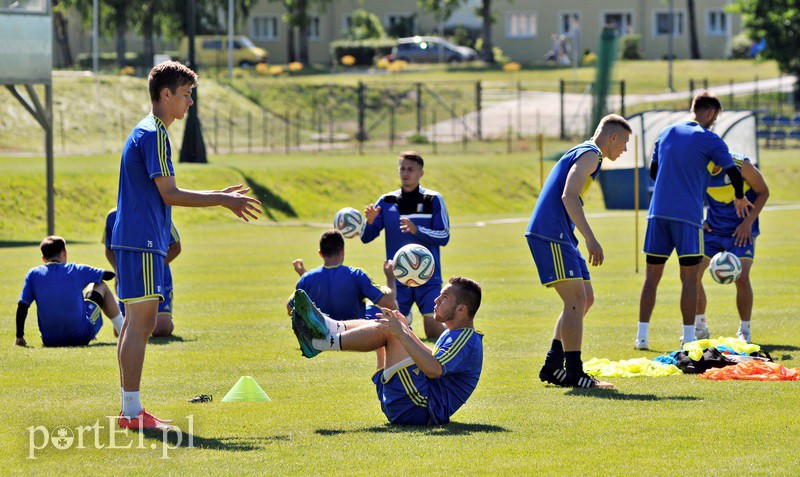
x: 468, y: 292
x: 330, y: 243
x: 706, y: 100
x: 52, y: 246
x: 413, y: 156
x: 172, y: 75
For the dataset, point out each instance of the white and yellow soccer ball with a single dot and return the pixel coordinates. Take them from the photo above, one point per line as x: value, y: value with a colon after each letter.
x: 349, y: 222
x: 413, y: 265
x: 725, y: 267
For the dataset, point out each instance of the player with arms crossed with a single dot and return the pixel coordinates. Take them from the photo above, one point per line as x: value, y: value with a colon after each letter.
x: 412, y: 214
x: 164, y: 324
x: 140, y: 238
x: 680, y: 169
x: 726, y: 231
x: 551, y: 238
x: 416, y: 385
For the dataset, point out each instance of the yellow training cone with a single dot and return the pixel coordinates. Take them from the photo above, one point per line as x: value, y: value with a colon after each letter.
x: 246, y: 389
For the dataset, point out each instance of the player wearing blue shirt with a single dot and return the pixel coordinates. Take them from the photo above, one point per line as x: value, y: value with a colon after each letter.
x: 416, y: 385
x: 679, y: 168
x: 337, y: 289
x: 65, y: 316
x: 140, y: 237
x: 726, y: 231
x: 164, y: 325
x: 412, y: 214
x: 551, y: 239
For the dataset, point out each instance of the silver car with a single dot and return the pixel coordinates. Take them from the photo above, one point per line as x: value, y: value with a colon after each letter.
x: 431, y: 49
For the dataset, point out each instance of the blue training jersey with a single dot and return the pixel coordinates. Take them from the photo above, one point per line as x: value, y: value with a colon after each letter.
x: 57, y: 289
x: 423, y: 207
x: 682, y: 153
x: 108, y: 232
x: 550, y: 220
x: 460, y: 352
x: 143, y: 219
x: 340, y: 291
x: 721, y: 214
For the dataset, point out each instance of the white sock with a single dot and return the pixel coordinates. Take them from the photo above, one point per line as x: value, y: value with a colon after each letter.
x: 744, y: 325
x: 688, y: 334
x: 700, y: 322
x: 117, y: 322
x: 331, y: 342
x: 333, y: 325
x: 642, y: 336
x: 121, y: 400
x: 131, y: 404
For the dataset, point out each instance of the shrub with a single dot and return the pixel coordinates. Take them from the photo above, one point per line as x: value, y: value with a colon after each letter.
x: 740, y: 46
x: 631, y: 47
x: 364, y: 52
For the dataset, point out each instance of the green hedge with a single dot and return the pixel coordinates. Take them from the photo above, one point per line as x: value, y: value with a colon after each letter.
x: 364, y: 51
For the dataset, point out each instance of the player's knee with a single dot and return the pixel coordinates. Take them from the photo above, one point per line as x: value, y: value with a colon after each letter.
x: 589, y: 301
x: 164, y: 325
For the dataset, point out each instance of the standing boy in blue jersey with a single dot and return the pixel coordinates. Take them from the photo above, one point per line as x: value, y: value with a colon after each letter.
x: 552, y: 241
x: 65, y: 315
x: 339, y: 290
x: 140, y: 238
x: 164, y: 324
x: 416, y: 385
x: 680, y: 169
x: 726, y: 231
x: 412, y: 214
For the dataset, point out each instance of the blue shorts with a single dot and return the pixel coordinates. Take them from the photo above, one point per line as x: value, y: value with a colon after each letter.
x: 423, y: 296
x: 720, y: 243
x: 87, y: 329
x: 664, y: 236
x: 404, y: 396
x: 141, y: 275
x: 557, y: 262
x: 166, y: 305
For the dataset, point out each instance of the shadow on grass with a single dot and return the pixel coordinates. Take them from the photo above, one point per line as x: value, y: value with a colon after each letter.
x: 616, y: 394
x: 217, y: 443
x: 774, y: 349
x: 451, y: 429
x: 268, y: 199
x: 162, y: 340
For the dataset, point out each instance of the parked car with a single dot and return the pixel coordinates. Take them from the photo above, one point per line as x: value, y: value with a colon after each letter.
x: 430, y: 49
x: 212, y: 50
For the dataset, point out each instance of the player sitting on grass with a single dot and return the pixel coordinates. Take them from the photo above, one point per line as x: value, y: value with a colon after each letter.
x: 415, y: 385
x: 338, y: 289
x: 65, y: 317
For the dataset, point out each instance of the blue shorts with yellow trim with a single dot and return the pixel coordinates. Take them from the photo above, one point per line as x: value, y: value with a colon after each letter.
x: 141, y: 275
x: 557, y: 262
x: 714, y: 244
x: 423, y: 295
x: 664, y: 236
x: 403, y: 396
x: 166, y: 305
x: 87, y: 329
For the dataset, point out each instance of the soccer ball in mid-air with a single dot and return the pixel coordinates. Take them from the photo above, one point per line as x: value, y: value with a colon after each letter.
x: 349, y: 222
x: 725, y: 267
x: 413, y: 265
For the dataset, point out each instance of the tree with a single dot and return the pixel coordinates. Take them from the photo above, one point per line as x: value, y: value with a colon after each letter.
x: 778, y: 23
x: 364, y: 26
x: 694, y: 46
x: 445, y: 8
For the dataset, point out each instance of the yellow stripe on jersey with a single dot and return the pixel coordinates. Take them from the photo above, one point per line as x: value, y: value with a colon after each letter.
x: 162, y: 152
x: 411, y: 390
x: 725, y: 194
x: 558, y: 261
x: 457, y: 346
x: 586, y: 186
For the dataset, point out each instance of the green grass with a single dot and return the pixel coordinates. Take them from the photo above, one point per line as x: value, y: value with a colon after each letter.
x: 231, y: 283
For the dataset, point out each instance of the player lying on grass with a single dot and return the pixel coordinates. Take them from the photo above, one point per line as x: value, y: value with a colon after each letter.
x: 416, y: 385
x: 66, y: 316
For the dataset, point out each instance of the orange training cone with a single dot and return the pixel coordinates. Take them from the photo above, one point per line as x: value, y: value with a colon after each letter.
x: 246, y: 389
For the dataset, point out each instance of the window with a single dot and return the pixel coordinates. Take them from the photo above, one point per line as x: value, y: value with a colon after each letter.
x: 716, y: 23
x: 347, y: 21
x: 400, y: 25
x: 314, y: 28
x: 662, y: 23
x: 521, y: 25
x: 264, y: 28
x: 622, y: 21
x: 569, y: 22
x: 212, y: 44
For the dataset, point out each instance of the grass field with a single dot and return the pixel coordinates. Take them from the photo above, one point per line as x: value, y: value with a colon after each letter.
x: 231, y: 283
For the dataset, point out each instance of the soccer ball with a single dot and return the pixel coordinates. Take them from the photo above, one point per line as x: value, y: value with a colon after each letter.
x: 349, y: 222
x: 413, y: 265
x: 725, y: 267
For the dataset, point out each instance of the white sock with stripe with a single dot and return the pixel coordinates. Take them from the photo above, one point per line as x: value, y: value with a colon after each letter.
x: 333, y: 325
x: 332, y: 342
x: 131, y: 404
x: 700, y: 322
